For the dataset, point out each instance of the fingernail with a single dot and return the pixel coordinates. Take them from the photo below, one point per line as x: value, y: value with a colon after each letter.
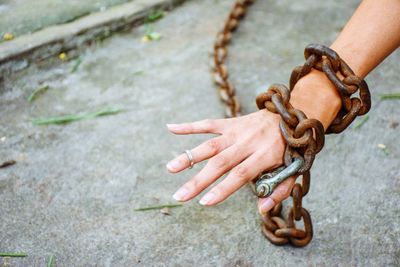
x: 267, y: 205
x: 205, y: 200
x: 173, y: 165
x: 172, y: 125
x: 180, y: 194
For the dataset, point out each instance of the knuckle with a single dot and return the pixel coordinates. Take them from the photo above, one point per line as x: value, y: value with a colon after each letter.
x: 220, y: 163
x: 209, y: 124
x: 286, y: 192
x: 194, y: 183
x: 213, y: 145
x: 219, y: 191
x: 189, y: 127
x: 242, y: 173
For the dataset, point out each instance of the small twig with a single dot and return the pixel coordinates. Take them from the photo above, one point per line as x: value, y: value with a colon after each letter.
x: 390, y: 96
x: 361, y: 122
x: 13, y: 255
x: 7, y: 163
x: 159, y: 207
x: 38, y: 92
x: 75, y: 117
x: 50, y: 262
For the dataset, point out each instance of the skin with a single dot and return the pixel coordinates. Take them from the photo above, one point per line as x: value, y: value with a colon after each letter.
x: 247, y: 145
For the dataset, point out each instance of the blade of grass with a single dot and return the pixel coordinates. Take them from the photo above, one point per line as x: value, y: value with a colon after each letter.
x: 361, y: 122
x: 50, y: 262
x: 75, y: 117
x: 13, y: 255
x: 38, y: 92
x: 139, y: 72
x: 159, y: 207
x: 76, y: 65
x: 390, y: 96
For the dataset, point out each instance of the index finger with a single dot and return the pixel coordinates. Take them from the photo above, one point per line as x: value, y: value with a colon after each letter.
x: 198, y: 127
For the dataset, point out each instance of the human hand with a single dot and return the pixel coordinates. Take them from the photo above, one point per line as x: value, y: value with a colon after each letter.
x: 248, y: 145
x: 245, y: 147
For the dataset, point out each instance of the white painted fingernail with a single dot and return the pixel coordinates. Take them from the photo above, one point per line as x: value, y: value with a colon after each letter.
x: 173, y: 165
x: 172, y: 125
x: 205, y: 200
x: 180, y: 194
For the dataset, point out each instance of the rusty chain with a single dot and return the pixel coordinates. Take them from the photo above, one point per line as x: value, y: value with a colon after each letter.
x: 226, y: 89
x: 304, y: 137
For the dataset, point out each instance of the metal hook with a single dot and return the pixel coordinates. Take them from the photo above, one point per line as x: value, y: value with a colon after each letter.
x: 267, y: 182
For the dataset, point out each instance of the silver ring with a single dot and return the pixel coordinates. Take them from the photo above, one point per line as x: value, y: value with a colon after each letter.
x: 190, y: 158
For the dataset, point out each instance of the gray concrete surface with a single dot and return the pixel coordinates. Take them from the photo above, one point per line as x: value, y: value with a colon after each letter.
x: 25, y: 16
x: 74, y: 187
x: 18, y: 53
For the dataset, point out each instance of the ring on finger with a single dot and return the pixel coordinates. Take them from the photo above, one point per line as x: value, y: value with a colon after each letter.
x: 190, y: 158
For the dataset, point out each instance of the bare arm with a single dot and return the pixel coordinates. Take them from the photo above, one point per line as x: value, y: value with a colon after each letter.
x: 372, y: 33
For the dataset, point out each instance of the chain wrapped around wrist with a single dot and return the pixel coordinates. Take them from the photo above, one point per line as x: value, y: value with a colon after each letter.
x: 304, y: 137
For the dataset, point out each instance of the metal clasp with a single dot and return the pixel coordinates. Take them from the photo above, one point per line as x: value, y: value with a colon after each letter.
x: 267, y: 182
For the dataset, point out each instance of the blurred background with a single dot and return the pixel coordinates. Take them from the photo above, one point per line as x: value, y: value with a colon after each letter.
x: 86, y: 88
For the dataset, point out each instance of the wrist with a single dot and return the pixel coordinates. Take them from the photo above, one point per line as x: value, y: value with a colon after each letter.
x: 317, y: 97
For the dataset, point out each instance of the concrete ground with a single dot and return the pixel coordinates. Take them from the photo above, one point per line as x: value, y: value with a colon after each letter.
x: 74, y: 188
x: 24, y: 16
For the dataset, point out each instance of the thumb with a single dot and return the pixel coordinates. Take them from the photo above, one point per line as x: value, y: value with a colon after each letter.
x: 281, y: 192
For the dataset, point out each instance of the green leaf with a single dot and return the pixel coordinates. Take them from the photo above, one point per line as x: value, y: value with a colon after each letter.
x: 155, y: 15
x: 154, y: 36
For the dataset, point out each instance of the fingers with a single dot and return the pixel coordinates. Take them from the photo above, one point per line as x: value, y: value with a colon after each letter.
x: 280, y: 193
x: 215, y: 168
x: 239, y: 176
x: 202, y: 152
x: 198, y: 127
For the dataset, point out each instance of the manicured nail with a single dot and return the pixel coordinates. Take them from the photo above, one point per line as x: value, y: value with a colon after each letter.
x: 180, y: 194
x: 172, y: 125
x: 205, y: 200
x: 268, y: 204
x: 173, y: 165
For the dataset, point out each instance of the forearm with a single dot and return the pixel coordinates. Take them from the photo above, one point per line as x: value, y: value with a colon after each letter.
x: 368, y: 38
x: 372, y: 33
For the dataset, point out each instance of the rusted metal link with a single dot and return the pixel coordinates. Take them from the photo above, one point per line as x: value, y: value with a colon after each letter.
x: 304, y: 137
x: 221, y: 75
x: 333, y: 66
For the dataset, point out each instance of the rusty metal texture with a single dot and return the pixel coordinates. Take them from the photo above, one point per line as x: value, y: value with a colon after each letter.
x: 304, y: 137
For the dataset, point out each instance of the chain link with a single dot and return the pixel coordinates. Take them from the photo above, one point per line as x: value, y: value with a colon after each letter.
x: 221, y: 76
x: 304, y: 137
